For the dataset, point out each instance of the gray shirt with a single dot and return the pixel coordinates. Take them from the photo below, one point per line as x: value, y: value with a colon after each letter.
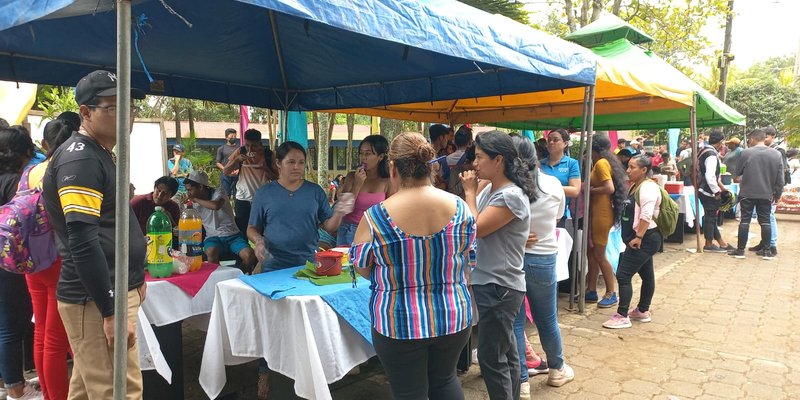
x: 218, y: 223
x: 501, y: 254
x: 761, y: 169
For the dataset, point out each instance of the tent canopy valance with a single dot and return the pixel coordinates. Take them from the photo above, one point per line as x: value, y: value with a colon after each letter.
x: 297, y: 55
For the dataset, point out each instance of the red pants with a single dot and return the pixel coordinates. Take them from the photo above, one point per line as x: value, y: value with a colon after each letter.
x: 50, y: 344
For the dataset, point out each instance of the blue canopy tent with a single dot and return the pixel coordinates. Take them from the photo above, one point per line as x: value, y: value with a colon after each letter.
x: 296, y: 55
x: 283, y: 54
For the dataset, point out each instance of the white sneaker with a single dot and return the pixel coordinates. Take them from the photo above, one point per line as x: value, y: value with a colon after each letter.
x: 474, y: 356
x: 524, y: 391
x: 559, y: 377
x: 28, y: 393
x: 3, y: 393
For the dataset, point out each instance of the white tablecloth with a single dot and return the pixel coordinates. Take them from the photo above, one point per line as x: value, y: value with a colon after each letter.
x: 299, y: 336
x: 165, y: 304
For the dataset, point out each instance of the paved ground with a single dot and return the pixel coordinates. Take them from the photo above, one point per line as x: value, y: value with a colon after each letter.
x: 722, y: 329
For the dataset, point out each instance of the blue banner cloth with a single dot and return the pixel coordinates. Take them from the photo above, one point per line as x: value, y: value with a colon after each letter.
x: 351, y: 304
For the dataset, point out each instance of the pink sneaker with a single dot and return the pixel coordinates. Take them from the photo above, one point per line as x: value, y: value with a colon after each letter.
x: 636, y: 315
x: 617, y: 321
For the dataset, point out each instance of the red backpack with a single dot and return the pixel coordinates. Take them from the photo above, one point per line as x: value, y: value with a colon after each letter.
x: 27, y: 240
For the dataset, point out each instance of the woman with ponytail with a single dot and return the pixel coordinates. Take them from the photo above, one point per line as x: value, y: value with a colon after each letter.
x: 498, y: 280
x: 607, y: 194
x: 414, y: 248
x: 50, y: 343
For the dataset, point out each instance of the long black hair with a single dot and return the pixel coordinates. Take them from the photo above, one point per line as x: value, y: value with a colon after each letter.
x: 495, y: 143
x: 601, y: 145
x: 56, y: 132
x: 527, y: 152
x: 381, y: 147
x: 16, y: 148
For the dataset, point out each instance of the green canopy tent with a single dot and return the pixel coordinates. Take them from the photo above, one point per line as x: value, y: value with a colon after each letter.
x: 710, y: 111
x: 614, y: 39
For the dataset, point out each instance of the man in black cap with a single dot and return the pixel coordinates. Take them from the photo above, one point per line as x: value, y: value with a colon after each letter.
x: 710, y: 191
x: 80, y: 198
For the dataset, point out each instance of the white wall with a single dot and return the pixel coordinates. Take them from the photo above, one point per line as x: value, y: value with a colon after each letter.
x: 148, y: 151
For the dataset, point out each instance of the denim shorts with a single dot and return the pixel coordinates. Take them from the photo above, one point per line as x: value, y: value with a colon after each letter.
x: 233, y: 243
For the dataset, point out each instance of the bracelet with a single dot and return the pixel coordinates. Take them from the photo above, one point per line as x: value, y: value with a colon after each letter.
x: 639, y: 237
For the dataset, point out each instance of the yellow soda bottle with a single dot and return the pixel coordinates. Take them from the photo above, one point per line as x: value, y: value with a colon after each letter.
x: 190, y: 236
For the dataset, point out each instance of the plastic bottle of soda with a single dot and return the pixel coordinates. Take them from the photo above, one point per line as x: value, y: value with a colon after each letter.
x: 159, y: 242
x: 190, y: 236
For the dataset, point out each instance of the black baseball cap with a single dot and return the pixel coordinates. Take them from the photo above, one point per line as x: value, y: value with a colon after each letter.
x: 100, y: 83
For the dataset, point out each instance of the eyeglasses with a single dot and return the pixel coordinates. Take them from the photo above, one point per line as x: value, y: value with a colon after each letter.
x: 112, y: 110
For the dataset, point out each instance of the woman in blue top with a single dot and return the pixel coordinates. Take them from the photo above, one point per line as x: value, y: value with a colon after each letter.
x: 287, y: 212
x: 560, y: 165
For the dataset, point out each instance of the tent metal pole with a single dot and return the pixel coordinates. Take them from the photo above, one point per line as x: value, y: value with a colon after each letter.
x: 695, y: 169
x: 587, y: 168
x: 121, y: 246
x: 575, y: 251
x: 279, y: 55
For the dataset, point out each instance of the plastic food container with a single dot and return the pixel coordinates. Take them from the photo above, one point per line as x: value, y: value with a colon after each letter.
x: 674, y: 187
x: 329, y: 263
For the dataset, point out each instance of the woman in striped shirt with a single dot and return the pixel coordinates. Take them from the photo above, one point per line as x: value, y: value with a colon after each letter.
x: 416, y: 259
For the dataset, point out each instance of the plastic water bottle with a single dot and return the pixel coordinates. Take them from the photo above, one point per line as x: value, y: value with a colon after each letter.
x: 159, y: 242
x: 190, y: 236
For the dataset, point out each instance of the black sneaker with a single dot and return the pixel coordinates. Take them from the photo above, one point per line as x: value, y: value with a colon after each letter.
x: 768, y: 254
x: 714, y: 249
x: 774, y: 250
x: 736, y: 253
x: 760, y: 246
x: 540, y: 369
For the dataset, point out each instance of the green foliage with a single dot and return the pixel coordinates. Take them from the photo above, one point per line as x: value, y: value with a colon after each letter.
x: 677, y: 26
x: 53, y: 100
x: 202, y: 160
x: 764, y: 102
x: 509, y: 8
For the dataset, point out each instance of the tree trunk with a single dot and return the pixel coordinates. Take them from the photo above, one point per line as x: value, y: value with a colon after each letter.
x: 585, y: 12
x: 570, y: 11
x: 391, y: 128
x: 190, y: 115
x: 351, y: 126
x: 270, y: 130
x: 615, y: 8
x: 326, y: 123
x: 177, y: 109
x: 597, y: 8
x: 315, y: 130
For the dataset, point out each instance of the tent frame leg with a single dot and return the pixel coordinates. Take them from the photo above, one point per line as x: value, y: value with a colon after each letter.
x: 587, y: 170
x: 121, y: 249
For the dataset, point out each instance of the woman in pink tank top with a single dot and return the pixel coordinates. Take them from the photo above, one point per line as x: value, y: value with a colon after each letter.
x: 369, y: 183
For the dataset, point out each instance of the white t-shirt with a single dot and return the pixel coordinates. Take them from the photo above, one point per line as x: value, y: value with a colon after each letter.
x: 218, y: 223
x: 548, y: 207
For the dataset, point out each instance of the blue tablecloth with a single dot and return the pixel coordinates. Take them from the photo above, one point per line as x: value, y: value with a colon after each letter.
x: 351, y: 304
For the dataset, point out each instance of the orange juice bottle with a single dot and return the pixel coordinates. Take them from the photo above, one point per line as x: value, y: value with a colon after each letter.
x: 190, y: 236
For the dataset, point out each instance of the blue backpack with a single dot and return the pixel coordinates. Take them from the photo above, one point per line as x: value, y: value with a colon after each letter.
x: 27, y: 240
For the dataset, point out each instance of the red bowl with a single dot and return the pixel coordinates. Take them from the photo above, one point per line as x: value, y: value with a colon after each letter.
x: 329, y: 263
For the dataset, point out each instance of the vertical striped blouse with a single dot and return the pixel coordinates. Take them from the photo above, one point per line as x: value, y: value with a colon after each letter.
x: 419, y: 283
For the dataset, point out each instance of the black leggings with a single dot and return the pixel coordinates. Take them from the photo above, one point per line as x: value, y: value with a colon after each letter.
x: 639, y: 261
x: 421, y: 369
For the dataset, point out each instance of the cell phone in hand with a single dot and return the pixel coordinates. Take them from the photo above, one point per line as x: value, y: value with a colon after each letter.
x: 243, y: 150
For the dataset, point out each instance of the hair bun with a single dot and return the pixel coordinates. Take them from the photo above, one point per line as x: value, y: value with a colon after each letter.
x: 425, y: 152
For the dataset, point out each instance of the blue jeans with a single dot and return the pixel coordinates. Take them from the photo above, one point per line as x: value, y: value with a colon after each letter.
x: 15, y: 319
x: 519, y: 333
x: 773, y: 240
x: 345, y: 234
x: 542, y: 291
x: 774, y: 227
